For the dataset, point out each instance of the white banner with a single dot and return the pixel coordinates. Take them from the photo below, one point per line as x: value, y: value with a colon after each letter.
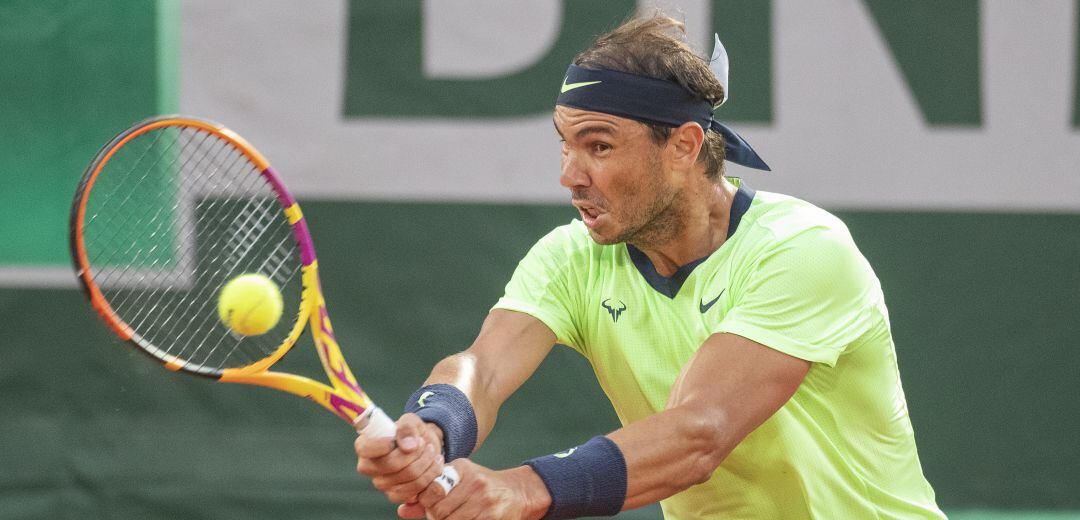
x: 846, y: 131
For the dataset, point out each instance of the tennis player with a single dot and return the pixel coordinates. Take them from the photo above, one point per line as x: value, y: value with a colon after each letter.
x: 740, y: 335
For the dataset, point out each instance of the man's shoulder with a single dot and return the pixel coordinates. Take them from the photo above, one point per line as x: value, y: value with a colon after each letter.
x: 795, y: 235
x: 783, y: 217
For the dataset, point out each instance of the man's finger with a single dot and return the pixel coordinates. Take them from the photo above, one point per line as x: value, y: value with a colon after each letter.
x: 472, y: 509
x: 393, y: 462
x: 436, y: 500
x: 373, y: 447
x: 431, y: 495
x: 409, y: 431
x: 445, y: 506
x: 432, y: 434
x: 407, y: 489
x: 413, y: 478
x: 412, y: 511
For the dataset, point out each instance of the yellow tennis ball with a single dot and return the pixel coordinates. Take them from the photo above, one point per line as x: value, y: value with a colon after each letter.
x: 250, y: 304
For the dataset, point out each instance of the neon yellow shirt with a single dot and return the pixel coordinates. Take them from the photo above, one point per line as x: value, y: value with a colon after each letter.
x: 789, y: 277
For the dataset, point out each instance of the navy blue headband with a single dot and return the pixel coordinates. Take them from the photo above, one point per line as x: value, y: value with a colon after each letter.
x: 649, y: 100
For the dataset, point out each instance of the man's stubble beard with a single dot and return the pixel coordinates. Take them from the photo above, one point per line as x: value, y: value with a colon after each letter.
x: 656, y: 224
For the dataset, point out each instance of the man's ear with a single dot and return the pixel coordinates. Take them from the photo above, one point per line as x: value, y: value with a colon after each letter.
x: 685, y: 144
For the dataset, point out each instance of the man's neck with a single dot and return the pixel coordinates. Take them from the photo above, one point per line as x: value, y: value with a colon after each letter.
x: 703, y: 229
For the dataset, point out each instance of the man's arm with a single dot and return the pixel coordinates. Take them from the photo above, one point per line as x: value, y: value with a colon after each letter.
x: 509, y: 348
x: 726, y: 390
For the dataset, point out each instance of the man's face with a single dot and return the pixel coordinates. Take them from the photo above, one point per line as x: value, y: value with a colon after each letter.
x: 616, y: 177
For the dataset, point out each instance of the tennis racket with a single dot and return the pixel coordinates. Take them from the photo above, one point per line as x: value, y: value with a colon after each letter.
x: 167, y: 213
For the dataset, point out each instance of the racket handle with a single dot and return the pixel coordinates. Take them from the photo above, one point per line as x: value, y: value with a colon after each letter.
x: 376, y: 423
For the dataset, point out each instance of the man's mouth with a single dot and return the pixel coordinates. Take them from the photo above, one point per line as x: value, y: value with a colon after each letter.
x: 589, y: 212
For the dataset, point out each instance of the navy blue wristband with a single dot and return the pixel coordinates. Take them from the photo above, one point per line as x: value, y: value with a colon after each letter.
x: 449, y: 409
x: 589, y: 480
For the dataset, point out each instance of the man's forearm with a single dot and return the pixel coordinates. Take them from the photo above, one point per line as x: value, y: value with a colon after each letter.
x: 728, y: 388
x: 506, y: 352
x: 461, y: 371
x: 669, y: 452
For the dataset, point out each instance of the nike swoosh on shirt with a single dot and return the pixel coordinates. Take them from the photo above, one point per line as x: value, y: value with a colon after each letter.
x: 566, y: 87
x: 704, y: 307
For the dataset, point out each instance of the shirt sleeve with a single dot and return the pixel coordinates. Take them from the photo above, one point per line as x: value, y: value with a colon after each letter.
x: 541, y: 286
x: 808, y: 296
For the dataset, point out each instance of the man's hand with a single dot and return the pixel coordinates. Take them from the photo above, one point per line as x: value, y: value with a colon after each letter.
x: 512, y: 494
x: 405, y: 465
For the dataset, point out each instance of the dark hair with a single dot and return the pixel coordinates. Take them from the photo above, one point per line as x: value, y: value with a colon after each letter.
x: 655, y: 47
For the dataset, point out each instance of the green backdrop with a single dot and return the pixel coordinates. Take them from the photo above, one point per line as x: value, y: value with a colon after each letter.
x: 983, y: 308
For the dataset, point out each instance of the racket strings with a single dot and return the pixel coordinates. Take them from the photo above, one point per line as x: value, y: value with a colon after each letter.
x: 184, y: 262
x: 205, y: 318
x: 131, y: 188
x: 257, y: 231
x: 146, y: 301
x: 283, y: 270
x: 254, y: 215
x: 185, y: 265
x: 116, y: 188
x: 174, y: 215
x: 201, y: 321
x: 187, y: 331
x: 122, y: 232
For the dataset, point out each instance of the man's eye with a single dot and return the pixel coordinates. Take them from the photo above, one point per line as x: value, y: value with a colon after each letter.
x: 601, y: 147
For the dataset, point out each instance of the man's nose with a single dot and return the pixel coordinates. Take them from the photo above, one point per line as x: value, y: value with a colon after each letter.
x: 573, y: 174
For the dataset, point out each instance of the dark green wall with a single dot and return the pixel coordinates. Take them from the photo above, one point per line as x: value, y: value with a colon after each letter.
x: 988, y: 337
x: 982, y: 306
